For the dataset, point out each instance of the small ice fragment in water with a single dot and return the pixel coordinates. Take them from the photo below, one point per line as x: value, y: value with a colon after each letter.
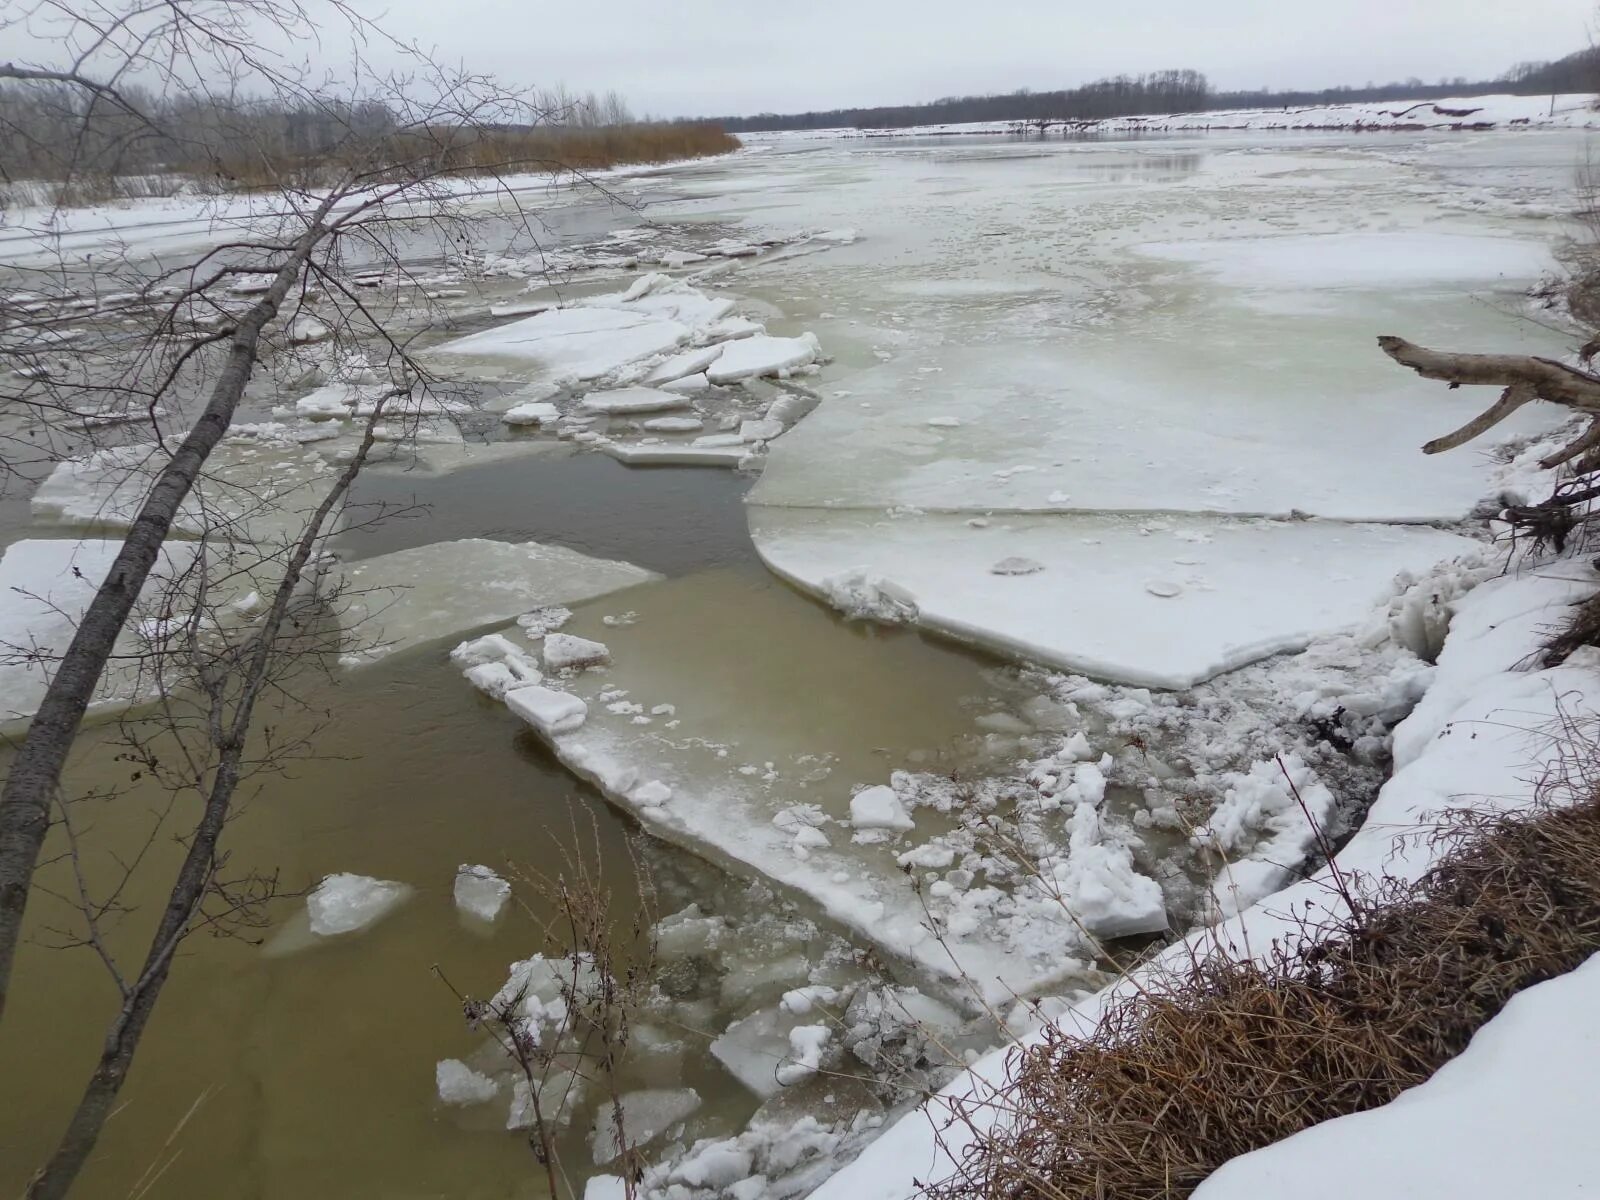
x: 1016, y: 566
x: 562, y: 650
x: 538, y: 412
x: 945, y: 422
x: 480, y: 892
x: 460, y: 1085
x: 878, y: 808
x: 344, y: 903
x: 1163, y: 588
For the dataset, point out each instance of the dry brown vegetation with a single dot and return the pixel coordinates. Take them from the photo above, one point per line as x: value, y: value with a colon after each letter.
x: 1230, y: 1055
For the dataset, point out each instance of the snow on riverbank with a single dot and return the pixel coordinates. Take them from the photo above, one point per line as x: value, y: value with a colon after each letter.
x: 1485, y: 739
x: 1571, y: 111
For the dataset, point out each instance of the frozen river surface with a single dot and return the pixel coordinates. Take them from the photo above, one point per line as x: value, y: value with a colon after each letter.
x: 1146, y: 371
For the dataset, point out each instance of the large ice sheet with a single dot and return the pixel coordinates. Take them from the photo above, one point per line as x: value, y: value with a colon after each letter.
x: 45, y: 586
x: 1261, y: 415
x: 1157, y: 601
x: 427, y: 593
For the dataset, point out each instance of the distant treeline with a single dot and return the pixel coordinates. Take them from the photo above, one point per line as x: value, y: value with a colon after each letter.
x: 1171, y: 92
x: 140, y: 143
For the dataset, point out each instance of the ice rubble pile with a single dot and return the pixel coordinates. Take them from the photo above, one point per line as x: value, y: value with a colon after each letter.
x: 1480, y: 736
x: 644, y: 372
x: 994, y: 929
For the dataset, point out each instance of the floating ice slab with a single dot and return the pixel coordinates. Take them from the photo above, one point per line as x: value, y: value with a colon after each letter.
x: 480, y: 893
x: 750, y: 357
x: 681, y: 366
x: 45, y: 586
x: 410, y: 597
x: 570, y: 343
x: 633, y: 400
x: 459, y: 1085
x: 677, y: 454
x: 1247, y: 589
x: 646, y: 1115
x: 346, y: 903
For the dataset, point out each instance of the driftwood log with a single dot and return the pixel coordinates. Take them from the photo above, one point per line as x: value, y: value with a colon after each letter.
x: 1523, y: 378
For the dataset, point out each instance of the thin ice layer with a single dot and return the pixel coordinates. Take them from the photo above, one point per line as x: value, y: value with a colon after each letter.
x: 1160, y: 602
x: 428, y: 593
x: 45, y: 586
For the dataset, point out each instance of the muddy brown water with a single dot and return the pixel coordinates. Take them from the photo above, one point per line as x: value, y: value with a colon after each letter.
x: 311, y: 1074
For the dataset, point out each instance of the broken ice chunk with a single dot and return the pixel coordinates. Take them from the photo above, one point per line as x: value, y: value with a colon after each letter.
x: 646, y: 1115
x: 760, y: 431
x: 550, y: 712
x: 879, y: 808
x: 807, y: 1043
x: 345, y: 903
x: 460, y: 1085
x: 538, y: 412
x: 763, y: 355
x: 563, y: 650
x: 675, y: 425
x: 480, y: 893
x: 632, y: 400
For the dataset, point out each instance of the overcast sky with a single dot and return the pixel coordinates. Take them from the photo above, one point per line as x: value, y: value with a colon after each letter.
x: 725, y: 57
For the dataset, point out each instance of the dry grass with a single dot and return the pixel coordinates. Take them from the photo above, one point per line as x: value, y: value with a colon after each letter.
x: 467, y: 150
x: 1228, y: 1056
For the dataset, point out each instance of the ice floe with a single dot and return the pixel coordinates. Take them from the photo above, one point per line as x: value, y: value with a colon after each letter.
x: 346, y: 903
x: 1086, y: 605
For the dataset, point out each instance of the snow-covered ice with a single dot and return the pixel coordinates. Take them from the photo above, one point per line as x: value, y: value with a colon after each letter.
x: 759, y: 355
x: 1251, y: 588
x: 346, y: 903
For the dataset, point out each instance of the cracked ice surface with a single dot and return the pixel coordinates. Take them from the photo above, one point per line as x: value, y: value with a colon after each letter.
x: 1182, y: 329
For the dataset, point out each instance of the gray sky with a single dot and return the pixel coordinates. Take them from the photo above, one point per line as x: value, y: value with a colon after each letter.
x: 716, y: 57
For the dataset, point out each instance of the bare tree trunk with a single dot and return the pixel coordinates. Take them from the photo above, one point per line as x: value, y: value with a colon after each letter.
x: 36, y: 772
x: 56, y: 1177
